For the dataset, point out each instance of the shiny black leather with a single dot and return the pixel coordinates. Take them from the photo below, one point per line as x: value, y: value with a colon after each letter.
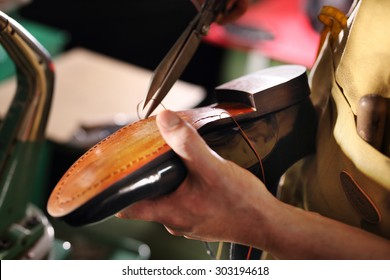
x: 273, y: 109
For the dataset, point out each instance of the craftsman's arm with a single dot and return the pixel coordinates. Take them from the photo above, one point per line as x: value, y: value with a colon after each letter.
x: 219, y: 201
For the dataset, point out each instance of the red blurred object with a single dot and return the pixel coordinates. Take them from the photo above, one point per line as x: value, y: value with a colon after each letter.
x: 279, y: 29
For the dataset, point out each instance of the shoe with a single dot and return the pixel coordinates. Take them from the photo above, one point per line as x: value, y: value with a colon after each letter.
x: 271, y: 106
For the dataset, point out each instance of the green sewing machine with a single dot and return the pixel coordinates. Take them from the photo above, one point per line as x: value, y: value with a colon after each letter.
x: 24, y: 230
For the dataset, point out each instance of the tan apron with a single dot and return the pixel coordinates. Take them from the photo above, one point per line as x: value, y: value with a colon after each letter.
x: 348, y: 179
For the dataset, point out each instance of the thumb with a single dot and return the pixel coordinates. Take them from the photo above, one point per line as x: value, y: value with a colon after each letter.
x: 185, y: 141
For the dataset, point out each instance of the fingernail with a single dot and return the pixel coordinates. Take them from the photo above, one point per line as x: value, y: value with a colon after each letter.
x: 120, y: 215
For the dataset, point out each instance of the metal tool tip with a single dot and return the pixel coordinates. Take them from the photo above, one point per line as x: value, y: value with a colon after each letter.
x: 151, y: 108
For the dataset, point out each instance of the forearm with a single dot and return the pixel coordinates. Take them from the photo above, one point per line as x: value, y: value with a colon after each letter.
x: 298, y: 234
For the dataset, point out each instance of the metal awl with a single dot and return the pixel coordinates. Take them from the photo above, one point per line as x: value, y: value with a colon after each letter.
x: 172, y: 66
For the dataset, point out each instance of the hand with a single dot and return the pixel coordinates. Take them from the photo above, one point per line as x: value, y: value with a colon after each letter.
x: 236, y: 8
x: 217, y: 199
x: 220, y: 201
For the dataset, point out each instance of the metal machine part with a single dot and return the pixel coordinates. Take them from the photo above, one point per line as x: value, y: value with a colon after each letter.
x: 24, y: 230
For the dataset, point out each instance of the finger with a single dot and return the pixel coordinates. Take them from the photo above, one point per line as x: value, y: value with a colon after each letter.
x: 157, y: 210
x: 174, y: 232
x: 152, y: 210
x: 142, y: 210
x: 185, y: 141
x: 236, y: 10
x: 197, y: 4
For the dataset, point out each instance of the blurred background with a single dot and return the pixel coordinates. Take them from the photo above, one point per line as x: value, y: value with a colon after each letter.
x: 138, y: 34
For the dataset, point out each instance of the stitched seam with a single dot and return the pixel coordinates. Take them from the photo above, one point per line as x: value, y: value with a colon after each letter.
x: 208, y: 117
x: 114, y: 173
x: 120, y: 170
